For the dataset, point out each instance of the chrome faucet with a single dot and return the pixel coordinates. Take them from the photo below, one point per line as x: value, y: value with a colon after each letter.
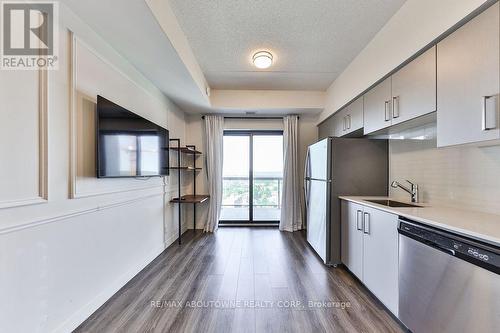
x: 413, y: 190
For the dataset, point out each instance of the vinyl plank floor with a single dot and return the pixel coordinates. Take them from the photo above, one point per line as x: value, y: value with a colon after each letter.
x: 241, y: 280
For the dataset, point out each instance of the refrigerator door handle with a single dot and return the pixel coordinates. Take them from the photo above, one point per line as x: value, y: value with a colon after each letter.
x: 307, y: 166
x: 306, y: 181
x: 306, y: 193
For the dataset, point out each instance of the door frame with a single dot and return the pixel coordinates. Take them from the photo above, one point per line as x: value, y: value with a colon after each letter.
x: 250, y: 221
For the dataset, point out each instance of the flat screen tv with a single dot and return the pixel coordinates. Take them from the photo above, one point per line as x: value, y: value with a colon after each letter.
x: 128, y: 145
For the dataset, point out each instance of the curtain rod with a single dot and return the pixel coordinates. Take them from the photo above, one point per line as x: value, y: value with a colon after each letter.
x: 234, y: 117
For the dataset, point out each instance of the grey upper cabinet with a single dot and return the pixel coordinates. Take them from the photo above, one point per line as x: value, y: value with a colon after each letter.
x: 348, y: 119
x: 414, y: 88
x: 333, y: 126
x: 468, y: 82
x: 326, y: 128
x: 340, y: 122
x: 353, y: 117
x: 377, y: 107
x: 344, y: 121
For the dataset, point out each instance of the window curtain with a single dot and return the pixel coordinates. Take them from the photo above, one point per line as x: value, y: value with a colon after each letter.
x: 291, y: 217
x: 214, y: 132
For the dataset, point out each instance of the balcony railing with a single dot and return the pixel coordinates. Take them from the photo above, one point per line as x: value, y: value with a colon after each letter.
x: 266, y: 198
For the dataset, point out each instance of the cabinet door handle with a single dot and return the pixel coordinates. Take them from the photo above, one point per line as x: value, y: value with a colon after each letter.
x: 359, y: 217
x: 387, y: 110
x: 395, y: 107
x: 487, y: 102
x: 344, y: 125
x: 348, y: 121
x: 366, y: 223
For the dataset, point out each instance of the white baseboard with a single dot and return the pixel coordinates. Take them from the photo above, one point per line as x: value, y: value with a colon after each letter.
x: 83, y: 313
x: 171, y: 240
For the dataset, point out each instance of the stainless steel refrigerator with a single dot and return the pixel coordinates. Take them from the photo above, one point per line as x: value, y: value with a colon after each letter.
x: 335, y: 167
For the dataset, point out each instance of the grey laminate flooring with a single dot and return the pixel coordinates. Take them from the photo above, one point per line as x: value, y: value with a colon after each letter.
x: 241, y: 280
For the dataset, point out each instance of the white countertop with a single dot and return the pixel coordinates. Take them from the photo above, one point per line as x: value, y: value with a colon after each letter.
x: 481, y: 226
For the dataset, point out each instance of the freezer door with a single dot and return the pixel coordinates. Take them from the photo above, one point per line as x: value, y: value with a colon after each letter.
x: 317, y: 160
x: 316, y: 200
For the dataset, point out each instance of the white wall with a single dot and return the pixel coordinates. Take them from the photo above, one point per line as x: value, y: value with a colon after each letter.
x: 415, y: 24
x: 168, y: 22
x: 69, y: 241
x: 308, y: 134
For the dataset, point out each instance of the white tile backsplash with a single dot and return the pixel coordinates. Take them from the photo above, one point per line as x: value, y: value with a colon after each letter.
x: 462, y: 177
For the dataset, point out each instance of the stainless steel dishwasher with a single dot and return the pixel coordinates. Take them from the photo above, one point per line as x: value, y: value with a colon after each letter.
x: 447, y: 283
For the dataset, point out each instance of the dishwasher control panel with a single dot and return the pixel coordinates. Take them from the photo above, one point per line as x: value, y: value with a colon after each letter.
x: 478, y: 254
x: 467, y: 249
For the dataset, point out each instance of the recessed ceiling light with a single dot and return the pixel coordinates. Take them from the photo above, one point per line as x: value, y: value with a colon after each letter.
x: 262, y: 59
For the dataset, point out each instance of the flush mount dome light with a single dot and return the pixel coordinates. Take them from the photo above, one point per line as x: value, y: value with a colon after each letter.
x: 262, y: 59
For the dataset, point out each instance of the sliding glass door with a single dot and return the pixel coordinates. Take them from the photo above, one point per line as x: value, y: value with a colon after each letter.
x: 236, y: 178
x: 252, y: 177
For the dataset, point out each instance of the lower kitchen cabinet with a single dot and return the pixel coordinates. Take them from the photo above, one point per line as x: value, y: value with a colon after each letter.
x: 370, y: 250
x: 380, y: 256
x: 352, y: 237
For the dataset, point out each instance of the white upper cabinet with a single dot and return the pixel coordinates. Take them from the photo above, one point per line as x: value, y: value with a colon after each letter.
x: 414, y: 88
x: 459, y: 78
x: 377, y: 107
x: 468, y: 82
x: 407, y: 94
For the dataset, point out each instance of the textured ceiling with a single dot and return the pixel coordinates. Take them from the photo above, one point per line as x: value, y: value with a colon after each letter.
x: 313, y: 41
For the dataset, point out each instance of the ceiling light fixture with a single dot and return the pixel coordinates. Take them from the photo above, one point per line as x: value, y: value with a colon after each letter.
x: 262, y: 59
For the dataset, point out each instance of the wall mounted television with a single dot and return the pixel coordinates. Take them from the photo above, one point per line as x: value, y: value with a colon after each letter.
x: 128, y: 145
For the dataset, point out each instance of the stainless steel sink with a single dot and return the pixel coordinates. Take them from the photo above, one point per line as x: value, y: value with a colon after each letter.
x: 392, y: 203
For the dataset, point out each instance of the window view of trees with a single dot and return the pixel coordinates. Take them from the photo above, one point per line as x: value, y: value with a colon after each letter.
x: 266, y: 192
x: 267, y: 168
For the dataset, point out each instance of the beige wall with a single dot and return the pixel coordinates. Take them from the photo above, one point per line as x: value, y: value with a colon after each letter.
x: 415, y: 25
x: 308, y: 134
x: 462, y: 177
x: 272, y: 101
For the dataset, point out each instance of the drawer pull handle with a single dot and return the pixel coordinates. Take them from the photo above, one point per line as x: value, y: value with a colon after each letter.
x: 387, y: 110
x: 366, y: 224
x: 395, y: 107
